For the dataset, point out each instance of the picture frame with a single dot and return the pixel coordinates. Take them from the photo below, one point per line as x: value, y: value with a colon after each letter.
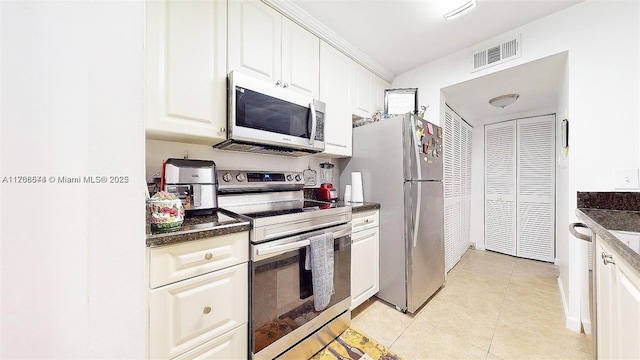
x: 400, y: 101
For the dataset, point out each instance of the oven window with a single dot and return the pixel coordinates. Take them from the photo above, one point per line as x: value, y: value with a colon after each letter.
x: 263, y: 112
x: 282, y: 292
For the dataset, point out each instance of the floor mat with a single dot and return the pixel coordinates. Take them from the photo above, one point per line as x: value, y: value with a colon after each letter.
x: 352, y: 344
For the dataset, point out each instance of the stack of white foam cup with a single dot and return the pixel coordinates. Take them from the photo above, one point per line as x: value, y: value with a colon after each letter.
x: 356, y: 187
x: 347, y: 193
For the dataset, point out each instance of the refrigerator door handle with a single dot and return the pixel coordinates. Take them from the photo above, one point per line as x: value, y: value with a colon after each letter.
x: 416, y: 220
x: 414, y: 134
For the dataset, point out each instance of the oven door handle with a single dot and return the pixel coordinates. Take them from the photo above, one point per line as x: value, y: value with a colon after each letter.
x: 282, y: 248
x: 300, y: 242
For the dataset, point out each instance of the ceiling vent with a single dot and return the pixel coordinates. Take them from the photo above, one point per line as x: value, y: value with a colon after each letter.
x: 497, y: 54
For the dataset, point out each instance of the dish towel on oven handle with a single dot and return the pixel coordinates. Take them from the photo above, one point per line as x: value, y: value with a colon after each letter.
x: 319, y: 259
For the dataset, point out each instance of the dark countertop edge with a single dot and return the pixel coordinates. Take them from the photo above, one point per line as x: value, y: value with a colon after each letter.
x: 243, y: 225
x: 194, y: 235
x: 362, y: 207
x: 618, y: 246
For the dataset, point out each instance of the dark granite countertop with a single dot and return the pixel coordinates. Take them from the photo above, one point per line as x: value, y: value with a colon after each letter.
x: 362, y: 207
x: 609, y: 213
x: 199, y: 227
x: 602, y: 222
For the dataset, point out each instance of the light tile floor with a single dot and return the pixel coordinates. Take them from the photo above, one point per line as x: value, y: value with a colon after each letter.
x: 492, y: 306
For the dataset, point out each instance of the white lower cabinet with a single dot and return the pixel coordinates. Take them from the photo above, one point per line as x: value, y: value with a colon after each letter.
x: 232, y: 345
x: 365, y: 242
x: 617, y: 305
x: 204, y: 314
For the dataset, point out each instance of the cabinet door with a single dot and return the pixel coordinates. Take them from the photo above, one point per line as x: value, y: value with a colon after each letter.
x: 334, y: 91
x: 362, y: 83
x: 232, y: 345
x: 605, y: 285
x: 191, y: 312
x: 172, y: 263
x: 365, y: 281
x: 617, y: 305
x: 186, y: 70
x: 364, y: 220
x: 300, y: 59
x: 254, y: 42
x: 378, y: 94
x: 627, y: 308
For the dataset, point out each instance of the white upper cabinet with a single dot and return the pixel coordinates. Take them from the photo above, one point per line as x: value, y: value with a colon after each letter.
x: 334, y: 91
x: 186, y: 70
x: 361, y: 91
x: 378, y: 94
x: 367, y: 91
x: 300, y: 59
x: 265, y: 44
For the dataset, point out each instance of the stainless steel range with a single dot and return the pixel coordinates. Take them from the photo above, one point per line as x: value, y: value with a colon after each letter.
x: 284, y: 321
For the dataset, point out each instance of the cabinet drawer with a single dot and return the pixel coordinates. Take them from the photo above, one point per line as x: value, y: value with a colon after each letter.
x: 232, y: 345
x: 365, y: 220
x: 172, y: 263
x: 192, y: 312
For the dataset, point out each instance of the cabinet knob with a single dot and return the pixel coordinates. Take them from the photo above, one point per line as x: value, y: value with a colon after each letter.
x: 206, y: 310
x: 223, y: 129
x: 208, y: 256
x: 279, y: 83
x: 285, y: 85
x: 607, y: 259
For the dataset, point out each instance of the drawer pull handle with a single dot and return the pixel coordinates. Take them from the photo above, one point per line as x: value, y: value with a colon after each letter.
x: 208, y: 256
x: 607, y: 259
x: 207, y: 309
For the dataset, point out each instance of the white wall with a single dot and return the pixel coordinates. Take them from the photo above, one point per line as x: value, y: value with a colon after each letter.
x: 602, y: 40
x: 72, y: 255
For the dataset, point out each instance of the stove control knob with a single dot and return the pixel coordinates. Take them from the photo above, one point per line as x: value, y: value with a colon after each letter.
x: 240, y: 177
x: 227, y: 177
x: 289, y: 177
x: 298, y: 177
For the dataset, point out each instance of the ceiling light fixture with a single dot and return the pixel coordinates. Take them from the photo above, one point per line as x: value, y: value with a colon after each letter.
x: 461, y: 10
x: 504, y: 100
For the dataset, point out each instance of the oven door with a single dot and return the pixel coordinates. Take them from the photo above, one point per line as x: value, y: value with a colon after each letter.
x: 271, y: 115
x: 282, y: 308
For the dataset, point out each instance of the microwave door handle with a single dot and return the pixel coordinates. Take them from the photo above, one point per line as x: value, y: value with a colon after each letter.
x: 314, y: 120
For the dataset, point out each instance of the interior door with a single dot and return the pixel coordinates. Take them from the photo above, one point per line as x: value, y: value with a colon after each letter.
x: 536, y: 188
x: 425, y: 242
x: 500, y: 187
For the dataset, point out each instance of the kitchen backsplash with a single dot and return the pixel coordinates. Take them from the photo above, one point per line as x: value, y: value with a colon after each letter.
x: 626, y: 201
x: 157, y: 150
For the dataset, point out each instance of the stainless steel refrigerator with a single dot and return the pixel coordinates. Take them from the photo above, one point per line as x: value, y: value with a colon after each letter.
x: 401, y: 162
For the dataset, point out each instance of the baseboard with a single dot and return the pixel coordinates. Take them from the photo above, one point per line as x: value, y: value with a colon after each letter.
x: 571, y: 323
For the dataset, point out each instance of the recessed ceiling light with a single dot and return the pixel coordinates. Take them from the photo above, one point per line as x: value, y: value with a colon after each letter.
x: 461, y: 10
x: 504, y: 100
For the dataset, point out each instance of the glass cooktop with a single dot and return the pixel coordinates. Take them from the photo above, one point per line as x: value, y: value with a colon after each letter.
x: 263, y: 210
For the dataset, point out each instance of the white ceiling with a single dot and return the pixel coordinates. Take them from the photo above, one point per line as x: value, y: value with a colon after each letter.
x: 401, y: 35
x: 537, y: 82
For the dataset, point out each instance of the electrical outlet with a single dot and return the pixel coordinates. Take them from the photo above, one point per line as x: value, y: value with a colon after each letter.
x: 627, y: 179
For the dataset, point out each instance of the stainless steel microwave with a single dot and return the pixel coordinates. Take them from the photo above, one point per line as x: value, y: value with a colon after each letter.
x: 267, y: 118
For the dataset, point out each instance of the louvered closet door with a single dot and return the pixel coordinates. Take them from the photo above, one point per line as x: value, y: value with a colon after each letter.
x: 500, y: 187
x: 536, y: 188
x: 465, y: 201
x: 457, y: 184
x: 450, y: 226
